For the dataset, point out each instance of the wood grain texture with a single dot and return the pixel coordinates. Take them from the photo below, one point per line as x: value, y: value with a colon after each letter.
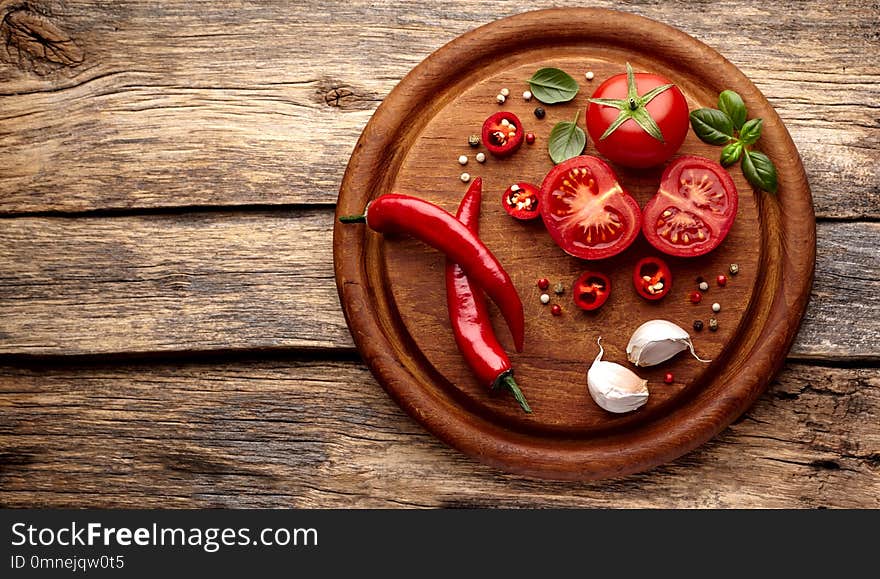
x: 262, y: 102
x: 263, y: 280
x: 324, y: 434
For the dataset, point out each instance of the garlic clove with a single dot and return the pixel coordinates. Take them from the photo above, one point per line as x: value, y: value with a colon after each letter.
x: 656, y: 341
x: 614, y: 387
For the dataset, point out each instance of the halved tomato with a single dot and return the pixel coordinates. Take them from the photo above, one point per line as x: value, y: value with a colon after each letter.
x: 694, y: 209
x: 586, y: 211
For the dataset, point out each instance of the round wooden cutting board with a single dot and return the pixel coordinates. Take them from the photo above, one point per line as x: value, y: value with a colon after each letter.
x: 392, y: 288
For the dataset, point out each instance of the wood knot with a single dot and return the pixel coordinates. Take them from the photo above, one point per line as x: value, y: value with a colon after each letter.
x: 35, y: 43
x: 336, y: 95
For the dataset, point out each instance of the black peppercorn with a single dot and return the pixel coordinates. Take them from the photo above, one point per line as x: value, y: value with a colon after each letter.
x: 698, y: 325
x: 539, y: 112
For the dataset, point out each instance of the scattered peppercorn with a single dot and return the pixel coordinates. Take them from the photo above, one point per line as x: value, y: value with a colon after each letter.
x: 500, y: 98
x: 556, y: 310
x: 704, y: 286
x: 474, y: 140
x: 696, y: 297
x: 465, y: 177
x: 734, y: 269
x: 590, y: 75
x: 721, y: 280
x: 698, y: 325
x: 481, y: 157
x: 713, y: 324
x: 527, y: 95
x: 669, y: 378
x: 543, y: 283
x: 545, y: 299
x: 559, y: 289
x: 462, y: 160
x: 530, y: 138
x: 540, y: 112
x: 505, y: 92
x: 716, y: 307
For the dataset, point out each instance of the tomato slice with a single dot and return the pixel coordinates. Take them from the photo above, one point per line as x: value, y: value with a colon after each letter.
x: 694, y: 209
x: 502, y: 134
x: 591, y: 290
x: 652, y: 278
x: 586, y: 211
x: 520, y: 200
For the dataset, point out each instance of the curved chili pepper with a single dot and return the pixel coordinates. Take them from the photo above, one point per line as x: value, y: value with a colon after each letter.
x: 430, y: 224
x: 469, y: 314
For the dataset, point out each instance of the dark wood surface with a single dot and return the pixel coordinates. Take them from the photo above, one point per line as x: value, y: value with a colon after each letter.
x: 159, y: 350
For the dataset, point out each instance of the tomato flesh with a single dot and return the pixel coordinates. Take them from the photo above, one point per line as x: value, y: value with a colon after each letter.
x: 586, y: 211
x: 502, y: 134
x: 520, y: 200
x: 652, y: 278
x: 630, y: 145
x: 693, y: 210
x: 591, y: 290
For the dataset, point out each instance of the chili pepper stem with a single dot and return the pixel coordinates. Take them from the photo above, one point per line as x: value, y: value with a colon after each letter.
x: 353, y: 218
x: 506, y: 379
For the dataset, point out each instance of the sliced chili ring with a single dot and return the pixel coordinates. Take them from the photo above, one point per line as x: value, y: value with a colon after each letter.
x: 520, y: 200
x: 591, y: 290
x: 652, y: 278
x: 502, y: 134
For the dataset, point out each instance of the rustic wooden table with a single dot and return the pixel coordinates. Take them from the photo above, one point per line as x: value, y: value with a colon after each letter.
x: 170, y: 331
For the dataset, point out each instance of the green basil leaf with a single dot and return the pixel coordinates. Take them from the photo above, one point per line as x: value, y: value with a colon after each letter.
x: 551, y: 85
x: 760, y: 171
x: 731, y: 153
x: 567, y: 140
x: 751, y: 132
x: 731, y: 103
x: 712, y: 126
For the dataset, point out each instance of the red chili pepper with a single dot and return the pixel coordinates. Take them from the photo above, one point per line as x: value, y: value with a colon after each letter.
x: 502, y: 134
x: 520, y: 200
x: 469, y: 314
x: 652, y: 278
x: 591, y: 290
x: 395, y: 213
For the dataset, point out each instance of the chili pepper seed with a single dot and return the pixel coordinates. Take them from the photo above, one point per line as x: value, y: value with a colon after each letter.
x: 669, y: 378
x: 530, y: 138
x: 698, y: 325
x: 716, y: 307
x: 556, y: 310
x: 704, y: 286
x: 543, y: 283
x: 465, y: 177
x: 589, y: 75
x: 539, y: 112
x: 734, y: 269
x: 481, y: 157
x: 527, y: 95
x: 462, y: 160
x: 696, y: 297
x: 545, y: 299
x: 505, y: 92
x: 721, y: 280
x: 713, y: 324
x: 559, y: 289
x: 474, y: 140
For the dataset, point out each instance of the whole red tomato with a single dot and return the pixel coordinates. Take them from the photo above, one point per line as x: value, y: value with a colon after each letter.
x: 637, y: 119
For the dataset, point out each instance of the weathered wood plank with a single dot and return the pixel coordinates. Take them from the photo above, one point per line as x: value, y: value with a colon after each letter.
x: 262, y: 103
x: 262, y: 280
x: 324, y: 434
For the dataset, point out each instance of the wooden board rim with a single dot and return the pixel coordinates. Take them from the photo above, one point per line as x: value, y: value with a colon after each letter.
x: 789, y: 255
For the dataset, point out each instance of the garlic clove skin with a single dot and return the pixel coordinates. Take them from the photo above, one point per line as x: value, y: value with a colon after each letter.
x: 615, y: 388
x: 656, y: 341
